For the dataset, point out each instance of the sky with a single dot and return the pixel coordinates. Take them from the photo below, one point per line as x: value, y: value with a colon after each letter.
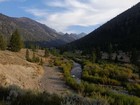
x: 71, y: 16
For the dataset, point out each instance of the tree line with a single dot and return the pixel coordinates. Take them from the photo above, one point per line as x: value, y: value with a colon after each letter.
x: 15, y: 43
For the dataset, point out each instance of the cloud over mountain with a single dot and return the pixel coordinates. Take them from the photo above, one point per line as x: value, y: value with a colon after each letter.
x: 62, y: 14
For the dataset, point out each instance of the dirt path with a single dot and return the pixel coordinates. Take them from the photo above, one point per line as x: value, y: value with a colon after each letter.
x: 52, y: 81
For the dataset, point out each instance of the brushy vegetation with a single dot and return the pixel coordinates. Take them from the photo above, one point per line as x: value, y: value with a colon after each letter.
x: 108, y: 74
x: 97, y: 89
x: 34, y: 59
x: 15, y: 96
x: 66, y: 66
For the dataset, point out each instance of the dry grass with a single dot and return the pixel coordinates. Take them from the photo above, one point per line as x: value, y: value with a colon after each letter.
x: 15, y: 70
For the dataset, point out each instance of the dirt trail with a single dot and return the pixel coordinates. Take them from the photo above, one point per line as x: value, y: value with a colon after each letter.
x: 52, y: 81
x: 15, y: 70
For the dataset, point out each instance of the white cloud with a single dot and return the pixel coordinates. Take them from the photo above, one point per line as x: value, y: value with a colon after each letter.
x: 80, y: 12
x: 37, y: 12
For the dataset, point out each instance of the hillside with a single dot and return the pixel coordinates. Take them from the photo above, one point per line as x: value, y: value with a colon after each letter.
x: 66, y: 38
x: 29, y: 29
x: 15, y: 70
x: 33, y: 32
x: 122, y: 32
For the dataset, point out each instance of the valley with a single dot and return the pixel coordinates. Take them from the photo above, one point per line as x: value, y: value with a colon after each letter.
x: 42, y: 66
x: 98, y: 77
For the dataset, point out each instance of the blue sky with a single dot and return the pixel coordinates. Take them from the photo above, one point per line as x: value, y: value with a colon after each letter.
x: 72, y: 16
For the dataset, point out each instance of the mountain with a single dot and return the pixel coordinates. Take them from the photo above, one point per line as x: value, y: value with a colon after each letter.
x: 82, y: 35
x: 29, y: 29
x: 34, y: 32
x: 71, y: 37
x: 66, y: 38
x: 123, y: 32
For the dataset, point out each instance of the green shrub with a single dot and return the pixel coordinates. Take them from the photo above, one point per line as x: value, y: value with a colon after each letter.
x: 2, y: 103
x: 78, y: 100
x: 15, y: 96
x: 107, y: 74
x: 134, y: 89
x: 121, y: 99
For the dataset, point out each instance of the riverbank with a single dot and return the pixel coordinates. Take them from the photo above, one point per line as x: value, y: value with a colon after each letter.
x: 76, y: 72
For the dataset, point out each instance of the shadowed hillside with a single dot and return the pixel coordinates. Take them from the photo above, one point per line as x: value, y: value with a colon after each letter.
x: 122, y: 32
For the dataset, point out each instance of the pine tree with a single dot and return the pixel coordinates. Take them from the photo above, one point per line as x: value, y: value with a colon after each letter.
x: 41, y: 62
x: 93, y: 57
x: 46, y: 53
x: 99, y: 55
x: 2, y: 43
x: 15, y: 42
x: 34, y: 57
x: 116, y: 59
x: 27, y: 55
x: 110, y: 50
x: 134, y: 56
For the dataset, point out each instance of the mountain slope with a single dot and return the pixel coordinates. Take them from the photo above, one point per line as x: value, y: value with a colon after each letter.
x: 34, y: 32
x: 123, y: 32
x: 66, y: 38
x: 29, y: 29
